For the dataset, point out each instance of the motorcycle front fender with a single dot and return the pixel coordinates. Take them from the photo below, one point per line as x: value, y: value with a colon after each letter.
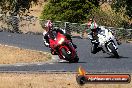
x: 69, y: 49
x: 64, y: 52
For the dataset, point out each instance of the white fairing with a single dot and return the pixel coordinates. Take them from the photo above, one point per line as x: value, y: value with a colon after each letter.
x: 105, y: 35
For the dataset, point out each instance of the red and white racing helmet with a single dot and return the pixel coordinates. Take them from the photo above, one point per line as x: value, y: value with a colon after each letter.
x: 48, y: 24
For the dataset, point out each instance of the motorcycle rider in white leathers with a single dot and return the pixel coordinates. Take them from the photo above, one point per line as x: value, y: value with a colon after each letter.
x: 93, y: 35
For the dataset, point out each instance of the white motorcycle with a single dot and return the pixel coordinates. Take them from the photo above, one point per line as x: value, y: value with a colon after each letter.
x: 108, y: 42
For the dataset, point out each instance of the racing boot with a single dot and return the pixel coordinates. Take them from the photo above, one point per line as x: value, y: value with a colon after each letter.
x: 97, y: 49
x: 100, y: 49
x: 103, y: 50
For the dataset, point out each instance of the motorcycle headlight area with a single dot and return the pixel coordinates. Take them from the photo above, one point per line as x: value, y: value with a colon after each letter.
x: 109, y: 33
x: 61, y: 40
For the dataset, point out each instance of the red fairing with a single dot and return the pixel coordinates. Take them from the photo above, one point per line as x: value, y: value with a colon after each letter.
x: 54, y: 43
x: 58, y: 42
x: 65, y: 47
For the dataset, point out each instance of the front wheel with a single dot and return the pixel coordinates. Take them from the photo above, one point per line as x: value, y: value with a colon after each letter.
x: 67, y: 56
x: 113, y: 50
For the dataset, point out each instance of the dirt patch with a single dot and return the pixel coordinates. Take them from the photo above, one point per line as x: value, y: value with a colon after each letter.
x: 11, y: 55
x: 36, y: 80
x: 34, y: 26
x: 36, y: 10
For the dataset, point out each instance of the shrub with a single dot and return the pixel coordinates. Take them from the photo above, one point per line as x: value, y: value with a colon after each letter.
x: 68, y: 10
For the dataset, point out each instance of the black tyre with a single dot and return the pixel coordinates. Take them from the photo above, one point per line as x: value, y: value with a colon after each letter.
x: 67, y: 56
x: 81, y: 80
x: 112, y: 48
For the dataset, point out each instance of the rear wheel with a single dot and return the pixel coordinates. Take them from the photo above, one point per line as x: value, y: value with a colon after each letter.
x: 113, y: 50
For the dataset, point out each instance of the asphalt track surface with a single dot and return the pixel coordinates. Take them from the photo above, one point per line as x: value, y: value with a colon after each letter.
x: 100, y: 62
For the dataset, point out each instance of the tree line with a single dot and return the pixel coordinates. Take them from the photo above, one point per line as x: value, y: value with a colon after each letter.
x: 70, y: 10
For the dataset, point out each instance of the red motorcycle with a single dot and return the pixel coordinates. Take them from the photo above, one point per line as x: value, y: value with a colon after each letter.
x: 64, y: 48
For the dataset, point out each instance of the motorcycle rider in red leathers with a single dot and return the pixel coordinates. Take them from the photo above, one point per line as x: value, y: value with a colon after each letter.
x: 49, y: 32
